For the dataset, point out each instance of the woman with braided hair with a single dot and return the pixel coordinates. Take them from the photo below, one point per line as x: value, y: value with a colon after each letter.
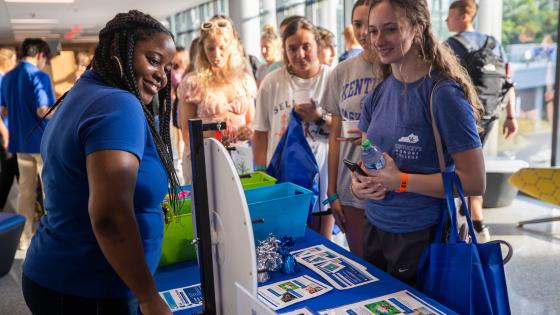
x: 107, y: 168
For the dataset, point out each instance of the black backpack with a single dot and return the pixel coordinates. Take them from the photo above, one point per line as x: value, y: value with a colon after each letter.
x: 488, y: 73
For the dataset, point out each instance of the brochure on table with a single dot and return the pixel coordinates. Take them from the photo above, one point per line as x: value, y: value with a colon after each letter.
x: 301, y: 311
x: 401, y: 302
x: 340, y: 271
x: 183, y: 298
x: 284, y: 293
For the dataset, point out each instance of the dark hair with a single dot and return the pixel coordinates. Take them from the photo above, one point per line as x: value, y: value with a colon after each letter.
x: 192, y: 56
x: 293, y: 27
x: 33, y: 46
x: 289, y: 19
x: 326, y: 37
x: 357, y: 4
x: 469, y: 7
x: 437, y: 55
x: 118, y: 39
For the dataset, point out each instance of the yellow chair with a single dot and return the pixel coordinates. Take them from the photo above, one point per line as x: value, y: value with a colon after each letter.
x: 540, y: 183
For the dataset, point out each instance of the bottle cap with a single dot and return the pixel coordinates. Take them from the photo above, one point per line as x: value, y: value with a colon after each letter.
x: 366, y: 143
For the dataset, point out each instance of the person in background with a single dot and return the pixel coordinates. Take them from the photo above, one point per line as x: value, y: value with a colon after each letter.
x: 96, y: 249
x: 404, y: 200
x: 275, y: 102
x: 26, y: 95
x: 271, y: 49
x: 352, y: 46
x: 327, y: 46
x: 252, y: 62
x: 8, y: 161
x: 219, y: 89
x: 192, y: 56
x: 460, y: 20
x: 83, y: 59
x: 180, y: 64
x: 348, y: 85
x: 282, y: 27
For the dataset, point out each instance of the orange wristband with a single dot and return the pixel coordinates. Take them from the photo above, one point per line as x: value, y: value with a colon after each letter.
x: 404, y: 183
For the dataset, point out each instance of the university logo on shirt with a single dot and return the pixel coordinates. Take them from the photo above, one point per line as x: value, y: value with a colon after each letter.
x: 408, y: 147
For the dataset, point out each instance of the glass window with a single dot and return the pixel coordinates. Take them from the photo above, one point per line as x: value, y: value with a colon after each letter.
x: 529, y: 32
x: 187, y: 22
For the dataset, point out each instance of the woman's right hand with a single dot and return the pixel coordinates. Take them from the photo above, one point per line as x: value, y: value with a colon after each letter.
x: 154, y: 306
x: 338, y: 213
x: 356, y: 140
x: 363, y: 187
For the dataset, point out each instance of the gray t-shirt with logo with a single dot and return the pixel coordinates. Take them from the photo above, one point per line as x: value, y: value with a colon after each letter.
x: 347, y: 86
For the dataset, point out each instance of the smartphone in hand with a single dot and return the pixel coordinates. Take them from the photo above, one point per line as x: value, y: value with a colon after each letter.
x: 354, y: 167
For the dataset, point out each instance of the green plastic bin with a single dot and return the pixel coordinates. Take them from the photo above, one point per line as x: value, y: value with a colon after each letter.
x: 178, y: 234
x: 257, y: 179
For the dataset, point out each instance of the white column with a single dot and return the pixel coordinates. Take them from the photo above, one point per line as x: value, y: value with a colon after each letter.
x: 331, y: 17
x: 269, y: 11
x: 489, y: 18
x: 348, y: 4
x: 245, y: 16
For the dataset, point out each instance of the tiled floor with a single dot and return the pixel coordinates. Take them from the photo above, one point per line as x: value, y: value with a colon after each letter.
x: 533, y: 274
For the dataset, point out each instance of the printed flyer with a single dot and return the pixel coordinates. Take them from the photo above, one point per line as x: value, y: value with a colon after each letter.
x: 401, y: 302
x: 183, y: 298
x: 341, y: 272
x: 288, y: 292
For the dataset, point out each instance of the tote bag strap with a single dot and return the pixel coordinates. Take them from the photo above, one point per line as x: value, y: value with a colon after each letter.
x: 437, y: 137
x: 450, y: 180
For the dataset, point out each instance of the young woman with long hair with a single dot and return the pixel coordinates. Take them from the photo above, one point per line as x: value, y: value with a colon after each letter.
x: 302, y: 71
x: 219, y: 88
x: 107, y: 168
x: 404, y: 199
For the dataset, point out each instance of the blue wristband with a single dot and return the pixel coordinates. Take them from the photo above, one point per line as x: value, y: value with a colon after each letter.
x: 260, y: 168
x: 330, y: 199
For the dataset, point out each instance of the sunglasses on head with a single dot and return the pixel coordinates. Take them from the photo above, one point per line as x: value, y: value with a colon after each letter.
x: 212, y: 24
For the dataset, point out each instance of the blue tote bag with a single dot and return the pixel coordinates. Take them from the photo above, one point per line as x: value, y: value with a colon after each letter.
x: 294, y: 162
x: 467, y: 277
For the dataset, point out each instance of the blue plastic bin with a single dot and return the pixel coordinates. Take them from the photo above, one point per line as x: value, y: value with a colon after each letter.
x: 279, y: 209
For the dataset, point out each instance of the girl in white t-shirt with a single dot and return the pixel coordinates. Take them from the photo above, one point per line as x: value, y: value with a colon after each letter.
x: 275, y: 101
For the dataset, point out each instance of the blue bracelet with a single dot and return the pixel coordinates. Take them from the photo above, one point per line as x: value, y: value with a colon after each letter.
x: 330, y: 199
x: 260, y: 168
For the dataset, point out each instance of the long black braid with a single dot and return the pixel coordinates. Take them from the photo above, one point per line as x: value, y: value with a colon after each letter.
x: 118, y: 39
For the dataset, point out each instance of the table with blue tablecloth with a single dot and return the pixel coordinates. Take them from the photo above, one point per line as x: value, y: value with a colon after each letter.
x: 187, y: 273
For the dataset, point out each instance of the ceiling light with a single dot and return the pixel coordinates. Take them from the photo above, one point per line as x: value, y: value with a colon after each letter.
x: 32, y: 26
x: 34, y: 21
x: 40, y: 1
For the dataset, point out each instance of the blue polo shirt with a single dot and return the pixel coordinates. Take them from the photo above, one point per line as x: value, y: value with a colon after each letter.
x: 4, y: 118
x: 24, y: 89
x: 396, y: 117
x: 64, y: 254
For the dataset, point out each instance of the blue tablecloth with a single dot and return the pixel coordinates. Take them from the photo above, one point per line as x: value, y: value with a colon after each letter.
x: 184, y: 274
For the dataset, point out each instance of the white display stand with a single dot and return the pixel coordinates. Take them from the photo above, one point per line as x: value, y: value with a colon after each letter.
x: 221, y: 222
x: 248, y: 304
x: 232, y: 231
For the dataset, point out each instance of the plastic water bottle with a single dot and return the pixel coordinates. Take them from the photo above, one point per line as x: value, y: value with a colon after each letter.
x: 372, y: 156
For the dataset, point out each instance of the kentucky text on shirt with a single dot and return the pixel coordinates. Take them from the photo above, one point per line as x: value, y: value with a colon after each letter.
x: 355, y: 88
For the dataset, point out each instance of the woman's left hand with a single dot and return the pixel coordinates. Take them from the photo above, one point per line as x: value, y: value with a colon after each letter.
x: 244, y: 133
x: 388, y: 177
x: 308, y: 112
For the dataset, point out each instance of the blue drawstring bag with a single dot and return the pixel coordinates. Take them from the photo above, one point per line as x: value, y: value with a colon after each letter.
x: 468, y: 278
x: 294, y: 162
